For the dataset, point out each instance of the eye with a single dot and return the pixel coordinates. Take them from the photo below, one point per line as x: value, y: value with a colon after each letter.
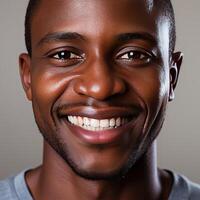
x: 65, y: 55
x: 135, y: 57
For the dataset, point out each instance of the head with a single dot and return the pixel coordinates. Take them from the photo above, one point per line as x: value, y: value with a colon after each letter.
x: 100, y: 78
x: 165, y: 6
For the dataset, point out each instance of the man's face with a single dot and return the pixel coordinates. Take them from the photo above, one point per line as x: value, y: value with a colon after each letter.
x: 99, y: 81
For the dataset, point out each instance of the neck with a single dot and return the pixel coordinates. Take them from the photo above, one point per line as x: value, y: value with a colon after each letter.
x: 55, y: 180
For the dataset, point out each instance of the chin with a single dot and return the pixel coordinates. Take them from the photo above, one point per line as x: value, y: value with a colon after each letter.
x: 99, y: 175
x: 104, y: 173
x: 99, y: 168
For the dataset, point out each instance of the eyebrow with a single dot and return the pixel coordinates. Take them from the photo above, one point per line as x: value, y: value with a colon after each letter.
x: 58, y: 36
x: 125, y: 37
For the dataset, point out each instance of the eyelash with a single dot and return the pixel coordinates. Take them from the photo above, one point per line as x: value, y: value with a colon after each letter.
x: 128, y: 56
x: 58, y: 55
x: 138, y: 57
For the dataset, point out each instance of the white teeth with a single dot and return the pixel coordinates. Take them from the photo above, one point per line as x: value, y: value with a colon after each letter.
x: 95, y: 124
x: 75, y: 120
x: 112, y: 122
x: 104, y: 123
x: 86, y: 121
x: 71, y: 119
x: 80, y: 121
x: 118, y: 121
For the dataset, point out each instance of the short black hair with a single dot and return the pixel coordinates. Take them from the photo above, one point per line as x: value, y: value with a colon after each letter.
x: 165, y: 5
x: 31, y: 9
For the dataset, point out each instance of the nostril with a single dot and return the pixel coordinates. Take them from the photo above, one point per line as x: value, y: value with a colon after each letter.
x: 119, y: 86
x: 93, y: 87
x: 99, y: 88
x: 79, y: 87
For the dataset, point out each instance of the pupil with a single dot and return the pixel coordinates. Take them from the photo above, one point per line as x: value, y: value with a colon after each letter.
x: 134, y: 55
x: 64, y: 55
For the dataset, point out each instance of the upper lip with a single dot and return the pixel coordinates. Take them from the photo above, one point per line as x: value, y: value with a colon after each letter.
x: 100, y: 113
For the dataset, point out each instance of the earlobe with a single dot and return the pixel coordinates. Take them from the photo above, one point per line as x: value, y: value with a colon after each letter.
x: 25, y: 74
x: 175, y: 66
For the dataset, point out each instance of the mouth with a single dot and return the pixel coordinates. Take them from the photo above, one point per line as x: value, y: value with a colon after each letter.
x: 100, y: 126
x: 92, y: 124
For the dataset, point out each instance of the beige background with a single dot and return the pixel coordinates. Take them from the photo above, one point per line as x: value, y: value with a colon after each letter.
x: 179, y: 141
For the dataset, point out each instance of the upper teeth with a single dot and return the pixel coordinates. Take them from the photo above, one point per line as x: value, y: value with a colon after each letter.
x: 95, y: 124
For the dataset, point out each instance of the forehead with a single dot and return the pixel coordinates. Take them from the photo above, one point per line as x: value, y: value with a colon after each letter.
x: 95, y: 17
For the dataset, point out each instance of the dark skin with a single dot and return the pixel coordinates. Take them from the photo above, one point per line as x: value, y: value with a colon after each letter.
x: 107, y: 61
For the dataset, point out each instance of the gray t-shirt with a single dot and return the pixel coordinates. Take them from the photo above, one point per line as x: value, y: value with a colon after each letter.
x: 15, y: 188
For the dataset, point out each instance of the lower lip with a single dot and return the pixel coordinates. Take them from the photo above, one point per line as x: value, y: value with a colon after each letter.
x: 108, y: 136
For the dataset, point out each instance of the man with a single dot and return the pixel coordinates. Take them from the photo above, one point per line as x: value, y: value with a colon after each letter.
x: 99, y: 75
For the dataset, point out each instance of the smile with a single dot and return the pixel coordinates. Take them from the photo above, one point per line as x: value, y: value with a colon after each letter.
x: 102, y: 125
x: 100, y: 131
x: 98, y: 124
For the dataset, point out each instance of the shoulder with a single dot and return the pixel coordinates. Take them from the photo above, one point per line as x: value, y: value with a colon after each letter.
x: 7, y: 189
x: 194, y: 190
x: 14, y: 188
x: 184, y: 189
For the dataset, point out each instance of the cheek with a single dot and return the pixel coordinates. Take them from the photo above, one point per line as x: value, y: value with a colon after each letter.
x: 151, y: 85
x: 47, y: 87
x: 155, y: 95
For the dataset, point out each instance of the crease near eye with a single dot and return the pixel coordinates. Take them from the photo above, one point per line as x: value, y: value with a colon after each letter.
x: 136, y: 57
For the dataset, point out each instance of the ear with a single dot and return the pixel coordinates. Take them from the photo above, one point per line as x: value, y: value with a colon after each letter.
x: 175, y: 66
x: 25, y: 74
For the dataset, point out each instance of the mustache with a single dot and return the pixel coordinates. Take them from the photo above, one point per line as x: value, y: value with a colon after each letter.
x: 62, y: 108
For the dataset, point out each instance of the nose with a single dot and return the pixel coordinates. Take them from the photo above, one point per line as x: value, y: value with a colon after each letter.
x: 99, y: 81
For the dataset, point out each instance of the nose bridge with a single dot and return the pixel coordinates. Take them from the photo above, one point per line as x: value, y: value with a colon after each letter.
x: 99, y: 81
